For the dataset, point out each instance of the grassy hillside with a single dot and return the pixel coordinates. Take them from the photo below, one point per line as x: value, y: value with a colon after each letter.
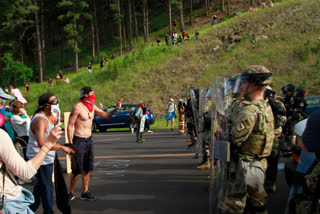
x: 284, y: 38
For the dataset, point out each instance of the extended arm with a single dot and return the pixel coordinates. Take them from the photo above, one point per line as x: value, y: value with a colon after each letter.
x: 106, y: 115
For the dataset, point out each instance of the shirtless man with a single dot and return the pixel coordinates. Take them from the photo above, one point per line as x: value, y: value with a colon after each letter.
x: 81, y: 119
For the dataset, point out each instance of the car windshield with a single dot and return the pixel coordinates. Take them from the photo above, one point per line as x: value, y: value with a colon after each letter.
x: 110, y: 109
x: 122, y: 109
x: 313, y: 101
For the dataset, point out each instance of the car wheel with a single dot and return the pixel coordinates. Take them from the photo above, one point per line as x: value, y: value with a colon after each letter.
x: 94, y: 127
x: 102, y: 129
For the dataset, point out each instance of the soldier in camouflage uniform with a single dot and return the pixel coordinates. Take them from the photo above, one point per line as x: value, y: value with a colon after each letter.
x: 279, y: 114
x: 205, y: 163
x: 252, y: 138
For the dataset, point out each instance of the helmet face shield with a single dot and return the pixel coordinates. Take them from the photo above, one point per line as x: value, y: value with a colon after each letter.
x: 237, y: 85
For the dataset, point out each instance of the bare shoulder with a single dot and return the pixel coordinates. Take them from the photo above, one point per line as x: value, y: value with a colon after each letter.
x: 75, y: 110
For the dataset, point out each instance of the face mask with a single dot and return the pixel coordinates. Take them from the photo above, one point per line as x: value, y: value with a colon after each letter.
x: 55, y: 111
x: 89, y: 102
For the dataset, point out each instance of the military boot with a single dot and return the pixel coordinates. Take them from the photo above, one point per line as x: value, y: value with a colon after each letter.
x: 205, y: 165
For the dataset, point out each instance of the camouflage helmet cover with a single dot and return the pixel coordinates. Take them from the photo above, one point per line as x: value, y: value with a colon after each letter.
x: 257, y: 74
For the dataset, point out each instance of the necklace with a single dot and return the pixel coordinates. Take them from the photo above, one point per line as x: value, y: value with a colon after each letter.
x: 90, y: 114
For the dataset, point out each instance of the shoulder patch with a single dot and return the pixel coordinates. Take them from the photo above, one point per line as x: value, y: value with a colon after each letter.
x: 240, y: 127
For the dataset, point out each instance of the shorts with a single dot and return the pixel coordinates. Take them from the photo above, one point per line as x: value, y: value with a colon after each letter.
x: 83, y: 160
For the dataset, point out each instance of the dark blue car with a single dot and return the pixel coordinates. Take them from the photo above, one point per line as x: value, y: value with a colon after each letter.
x: 313, y: 104
x: 122, y: 119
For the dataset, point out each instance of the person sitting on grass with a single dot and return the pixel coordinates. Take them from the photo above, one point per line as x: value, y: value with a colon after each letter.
x: 158, y: 40
x: 179, y: 40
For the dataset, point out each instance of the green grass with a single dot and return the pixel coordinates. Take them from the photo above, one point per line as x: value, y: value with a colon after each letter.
x: 155, y: 74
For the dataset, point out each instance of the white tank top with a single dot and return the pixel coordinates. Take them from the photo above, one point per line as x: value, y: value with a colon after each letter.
x: 33, y: 147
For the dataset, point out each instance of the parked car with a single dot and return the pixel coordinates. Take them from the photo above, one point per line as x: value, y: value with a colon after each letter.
x: 121, y: 119
x: 313, y: 104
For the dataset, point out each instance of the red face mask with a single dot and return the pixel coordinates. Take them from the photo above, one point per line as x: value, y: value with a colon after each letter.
x: 89, y: 102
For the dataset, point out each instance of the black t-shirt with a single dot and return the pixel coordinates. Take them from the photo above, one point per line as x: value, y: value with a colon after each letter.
x: 89, y: 66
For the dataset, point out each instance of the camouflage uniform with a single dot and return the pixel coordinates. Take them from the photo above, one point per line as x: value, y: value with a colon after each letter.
x: 205, y: 164
x: 252, y: 135
x: 279, y: 122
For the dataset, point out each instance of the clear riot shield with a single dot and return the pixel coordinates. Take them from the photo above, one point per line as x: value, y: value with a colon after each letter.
x: 194, y: 95
x: 200, y: 125
x: 219, y: 145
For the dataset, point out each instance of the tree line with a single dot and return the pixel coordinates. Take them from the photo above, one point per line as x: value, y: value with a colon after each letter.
x: 32, y: 29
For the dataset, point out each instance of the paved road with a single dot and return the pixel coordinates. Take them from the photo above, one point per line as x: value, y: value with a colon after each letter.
x: 155, y: 177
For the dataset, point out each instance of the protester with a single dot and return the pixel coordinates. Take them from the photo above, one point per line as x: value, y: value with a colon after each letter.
x: 166, y: 39
x: 20, y: 125
x: 174, y: 35
x: 67, y: 81
x: 181, y: 110
x: 27, y: 88
x: 50, y: 82
x: 179, y: 40
x: 270, y: 4
x: 214, y: 20
x: 140, y: 118
x: 174, y: 23
x: 101, y: 63
x: 107, y: 60
x: 90, y: 67
x: 184, y: 33
x: 170, y: 113
x: 196, y: 35
x: 81, y: 119
x: 8, y: 115
x: 113, y: 56
x: 57, y: 78
x: 158, y: 40
x: 16, y: 198
x: 60, y: 74
x: 41, y: 125
x: 173, y: 41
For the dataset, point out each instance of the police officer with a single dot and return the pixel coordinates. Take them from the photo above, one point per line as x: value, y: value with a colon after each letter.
x: 252, y: 135
x: 279, y: 114
x: 299, y: 106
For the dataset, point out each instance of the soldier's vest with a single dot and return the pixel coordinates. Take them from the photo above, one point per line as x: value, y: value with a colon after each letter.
x: 259, y: 143
x: 279, y: 114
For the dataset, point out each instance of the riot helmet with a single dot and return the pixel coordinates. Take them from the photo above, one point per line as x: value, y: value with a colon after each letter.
x: 268, y: 92
x: 257, y: 75
x: 290, y: 87
x: 300, y: 92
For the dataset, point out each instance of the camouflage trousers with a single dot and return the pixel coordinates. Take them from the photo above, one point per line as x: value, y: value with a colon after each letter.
x: 272, y: 170
x: 245, y: 188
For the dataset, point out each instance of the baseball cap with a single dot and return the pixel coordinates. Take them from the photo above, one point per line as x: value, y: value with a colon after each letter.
x: 85, y: 90
x: 311, y: 134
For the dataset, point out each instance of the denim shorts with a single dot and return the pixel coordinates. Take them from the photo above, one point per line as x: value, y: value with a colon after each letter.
x: 83, y: 160
x: 19, y: 205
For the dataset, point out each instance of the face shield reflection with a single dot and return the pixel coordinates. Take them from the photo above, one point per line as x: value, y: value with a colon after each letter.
x: 237, y: 86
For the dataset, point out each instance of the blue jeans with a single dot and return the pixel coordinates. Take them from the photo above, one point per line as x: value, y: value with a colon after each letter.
x: 43, y: 189
x: 19, y: 205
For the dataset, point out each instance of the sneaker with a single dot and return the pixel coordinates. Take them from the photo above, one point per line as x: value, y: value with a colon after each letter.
x: 149, y: 131
x: 87, y: 196
x: 71, y: 196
